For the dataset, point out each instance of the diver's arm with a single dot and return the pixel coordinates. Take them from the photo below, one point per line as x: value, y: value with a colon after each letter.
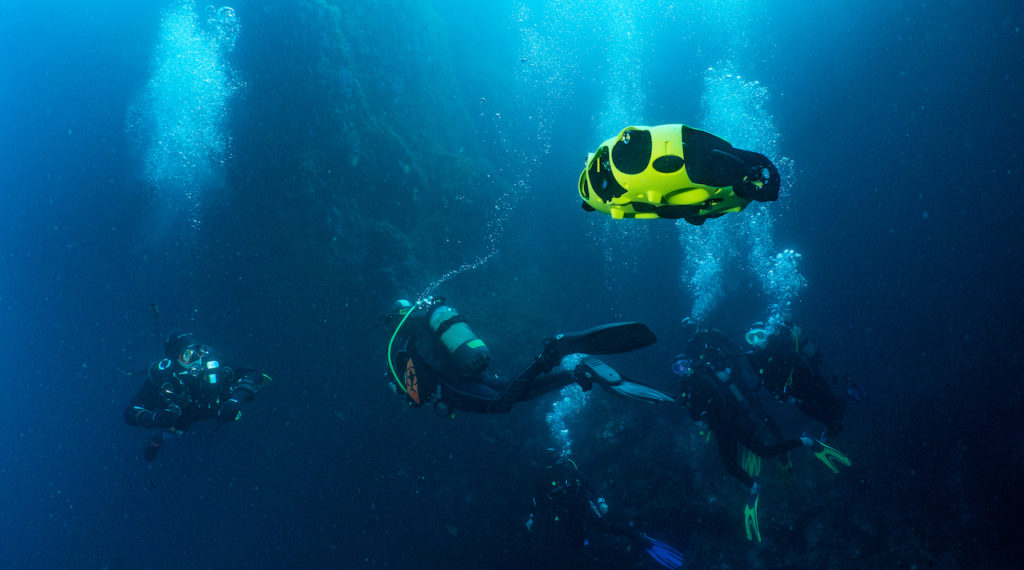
x: 147, y: 409
x: 140, y: 410
x: 248, y: 384
x: 241, y: 391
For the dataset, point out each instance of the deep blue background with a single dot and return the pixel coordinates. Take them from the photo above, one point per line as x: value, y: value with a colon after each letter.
x: 904, y: 123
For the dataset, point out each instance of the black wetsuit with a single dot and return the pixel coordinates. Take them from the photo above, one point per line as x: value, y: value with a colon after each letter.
x: 792, y: 368
x: 720, y: 393
x: 432, y: 376
x: 199, y: 393
x: 725, y: 405
x: 566, y: 508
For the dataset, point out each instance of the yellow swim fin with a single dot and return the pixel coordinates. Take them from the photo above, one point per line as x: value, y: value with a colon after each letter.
x: 750, y: 514
x: 830, y: 456
x: 750, y: 462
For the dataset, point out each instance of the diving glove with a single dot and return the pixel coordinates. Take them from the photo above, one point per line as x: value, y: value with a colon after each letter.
x: 230, y: 411
x: 167, y: 417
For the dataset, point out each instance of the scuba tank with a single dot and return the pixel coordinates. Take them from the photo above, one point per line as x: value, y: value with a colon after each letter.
x: 470, y: 354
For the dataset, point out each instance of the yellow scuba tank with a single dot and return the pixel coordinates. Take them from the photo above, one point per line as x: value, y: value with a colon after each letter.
x: 470, y: 354
x: 650, y: 172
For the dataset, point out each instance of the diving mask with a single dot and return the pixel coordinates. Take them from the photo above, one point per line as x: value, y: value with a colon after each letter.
x: 682, y: 366
x: 757, y: 338
x: 192, y: 354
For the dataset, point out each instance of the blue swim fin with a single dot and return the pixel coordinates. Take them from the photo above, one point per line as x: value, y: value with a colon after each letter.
x: 663, y: 553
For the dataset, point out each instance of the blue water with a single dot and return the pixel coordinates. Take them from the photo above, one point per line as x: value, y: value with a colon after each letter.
x: 274, y: 176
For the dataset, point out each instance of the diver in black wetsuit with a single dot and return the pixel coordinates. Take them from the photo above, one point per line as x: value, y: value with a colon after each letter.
x: 189, y: 386
x: 566, y: 509
x: 435, y: 358
x: 718, y: 392
x: 792, y: 368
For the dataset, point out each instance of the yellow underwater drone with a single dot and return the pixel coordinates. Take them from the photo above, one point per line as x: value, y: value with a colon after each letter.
x: 674, y: 171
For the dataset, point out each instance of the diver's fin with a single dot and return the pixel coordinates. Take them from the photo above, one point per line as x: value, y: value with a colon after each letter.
x: 638, y: 392
x: 663, y: 553
x: 603, y: 339
x: 750, y: 514
x: 830, y: 456
x: 592, y: 370
x: 750, y: 461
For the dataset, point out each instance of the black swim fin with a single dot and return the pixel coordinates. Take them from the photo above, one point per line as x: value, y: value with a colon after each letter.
x: 612, y: 338
x: 592, y: 370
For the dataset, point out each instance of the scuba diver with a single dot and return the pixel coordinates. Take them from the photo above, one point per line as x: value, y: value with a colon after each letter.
x: 435, y: 358
x: 674, y: 171
x: 189, y: 386
x: 566, y: 508
x: 792, y: 368
x: 718, y: 392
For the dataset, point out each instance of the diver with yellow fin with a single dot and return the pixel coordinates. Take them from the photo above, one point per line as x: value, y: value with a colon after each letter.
x: 717, y: 389
x: 674, y: 171
x: 435, y: 358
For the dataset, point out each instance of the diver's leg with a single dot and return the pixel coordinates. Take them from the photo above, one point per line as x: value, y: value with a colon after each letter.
x: 557, y: 379
x: 522, y: 387
x: 478, y: 395
x: 728, y: 450
x: 530, y: 384
x: 759, y: 447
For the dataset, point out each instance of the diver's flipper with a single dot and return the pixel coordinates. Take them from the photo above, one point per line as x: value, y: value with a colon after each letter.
x: 592, y: 370
x: 603, y: 339
x: 830, y: 456
x: 638, y: 392
x: 750, y: 514
x: 663, y: 553
x: 750, y: 462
